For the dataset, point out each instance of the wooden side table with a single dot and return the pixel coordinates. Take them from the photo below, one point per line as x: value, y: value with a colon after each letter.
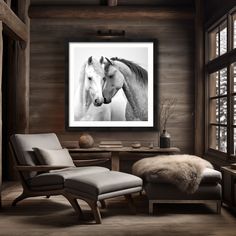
x: 229, y: 186
x: 115, y: 152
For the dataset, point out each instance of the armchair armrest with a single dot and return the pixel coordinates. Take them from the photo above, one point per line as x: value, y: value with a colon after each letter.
x: 39, y: 168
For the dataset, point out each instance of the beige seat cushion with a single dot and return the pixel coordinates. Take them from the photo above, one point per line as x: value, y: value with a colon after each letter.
x: 57, y: 178
x: 104, y: 182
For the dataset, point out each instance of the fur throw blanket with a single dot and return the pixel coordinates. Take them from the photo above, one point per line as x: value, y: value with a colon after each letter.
x: 183, y: 171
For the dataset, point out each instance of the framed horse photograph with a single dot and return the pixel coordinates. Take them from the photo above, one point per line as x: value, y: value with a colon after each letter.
x: 111, y: 84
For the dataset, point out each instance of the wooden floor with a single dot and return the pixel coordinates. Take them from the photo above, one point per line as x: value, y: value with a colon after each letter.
x: 54, y: 216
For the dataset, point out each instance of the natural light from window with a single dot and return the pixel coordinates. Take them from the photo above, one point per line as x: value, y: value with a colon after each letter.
x: 218, y: 41
x: 218, y: 110
x: 223, y: 41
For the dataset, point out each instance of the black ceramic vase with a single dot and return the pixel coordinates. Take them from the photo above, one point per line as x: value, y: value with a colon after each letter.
x: 165, y: 140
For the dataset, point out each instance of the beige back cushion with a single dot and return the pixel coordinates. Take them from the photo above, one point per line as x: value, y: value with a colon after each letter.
x: 60, y: 157
x: 23, y: 144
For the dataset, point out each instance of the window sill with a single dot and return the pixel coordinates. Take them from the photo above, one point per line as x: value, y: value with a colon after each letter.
x: 219, y: 160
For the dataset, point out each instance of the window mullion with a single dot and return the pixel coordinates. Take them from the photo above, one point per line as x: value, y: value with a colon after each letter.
x: 229, y: 111
x: 219, y: 128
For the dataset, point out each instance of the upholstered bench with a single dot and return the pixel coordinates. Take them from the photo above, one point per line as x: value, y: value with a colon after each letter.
x: 100, y: 186
x: 209, y: 190
x: 160, y: 188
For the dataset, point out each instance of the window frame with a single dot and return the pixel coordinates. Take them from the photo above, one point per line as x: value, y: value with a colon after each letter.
x: 214, y: 65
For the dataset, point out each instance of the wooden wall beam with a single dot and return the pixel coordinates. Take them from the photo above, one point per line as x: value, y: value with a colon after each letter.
x: 108, y: 13
x: 199, y: 79
x: 1, y: 65
x: 22, y: 81
x: 12, y: 22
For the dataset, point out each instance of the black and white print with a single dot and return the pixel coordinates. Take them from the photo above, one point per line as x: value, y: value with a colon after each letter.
x: 111, y: 84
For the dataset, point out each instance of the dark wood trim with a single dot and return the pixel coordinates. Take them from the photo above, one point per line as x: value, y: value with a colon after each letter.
x: 219, y: 16
x: 13, y: 24
x: 1, y: 65
x: 216, y: 124
x: 199, y: 79
x: 109, y: 13
x: 217, y: 97
x: 221, y: 61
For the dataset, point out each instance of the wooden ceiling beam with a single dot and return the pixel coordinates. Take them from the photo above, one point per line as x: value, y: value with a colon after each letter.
x: 109, y: 13
x: 12, y: 22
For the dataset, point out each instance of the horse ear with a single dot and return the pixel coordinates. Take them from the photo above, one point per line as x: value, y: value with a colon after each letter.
x: 90, y: 60
x: 109, y: 61
x: 101, y: 60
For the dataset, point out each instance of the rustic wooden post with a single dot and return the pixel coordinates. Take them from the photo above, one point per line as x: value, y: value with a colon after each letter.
x: 22, y: 82
x: 1, y: 65
x: 199, y: 80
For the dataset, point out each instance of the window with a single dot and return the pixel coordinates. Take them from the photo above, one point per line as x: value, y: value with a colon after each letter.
x: 221, y: 87
x: 218, y: 41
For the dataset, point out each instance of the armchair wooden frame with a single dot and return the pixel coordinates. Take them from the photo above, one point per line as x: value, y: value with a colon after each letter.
x: 72, y: 198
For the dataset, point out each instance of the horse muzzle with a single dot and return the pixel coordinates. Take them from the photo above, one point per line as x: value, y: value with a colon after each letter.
x: 98, y: 102
x: 107, y: 101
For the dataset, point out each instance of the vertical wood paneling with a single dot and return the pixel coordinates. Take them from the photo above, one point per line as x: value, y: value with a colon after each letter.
x: 175, y: 74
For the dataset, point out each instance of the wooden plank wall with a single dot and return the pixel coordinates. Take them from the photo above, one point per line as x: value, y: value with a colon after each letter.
x: 175, y: 73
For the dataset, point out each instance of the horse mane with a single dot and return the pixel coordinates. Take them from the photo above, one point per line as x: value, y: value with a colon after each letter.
x: 141, y: 74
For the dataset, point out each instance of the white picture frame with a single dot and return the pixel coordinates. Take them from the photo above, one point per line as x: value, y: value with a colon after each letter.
x: 85, y: 85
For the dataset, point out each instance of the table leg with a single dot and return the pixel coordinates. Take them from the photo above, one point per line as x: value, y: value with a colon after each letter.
x: 115, y: 161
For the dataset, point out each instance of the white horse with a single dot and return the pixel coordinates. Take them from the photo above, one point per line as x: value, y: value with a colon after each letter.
x: 89, y: 99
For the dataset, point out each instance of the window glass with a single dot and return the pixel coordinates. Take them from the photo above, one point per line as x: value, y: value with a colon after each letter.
x: 223, y: 41
x: 213, y: 39
x: 217, y: 44
x: 234, y: 76
x: 222, y: 111
x: 218, y: 41
x: 234, y: 110
x: 218, y: 138
x: 214, y: 84
x: 218, y: 83
x: 218, y: 111
x: 223, y: 82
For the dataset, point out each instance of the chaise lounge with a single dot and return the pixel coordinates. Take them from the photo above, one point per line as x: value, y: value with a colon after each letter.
x: 45, y: 169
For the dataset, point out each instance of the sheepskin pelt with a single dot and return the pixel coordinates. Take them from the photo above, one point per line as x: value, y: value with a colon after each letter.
x: 183, y: 171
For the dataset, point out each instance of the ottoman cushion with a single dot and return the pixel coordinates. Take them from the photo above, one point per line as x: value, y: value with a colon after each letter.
x: 101, y: 183
x: 209, y: 176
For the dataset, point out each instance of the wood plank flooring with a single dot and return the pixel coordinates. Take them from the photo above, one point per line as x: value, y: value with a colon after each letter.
x: 54, y: 216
